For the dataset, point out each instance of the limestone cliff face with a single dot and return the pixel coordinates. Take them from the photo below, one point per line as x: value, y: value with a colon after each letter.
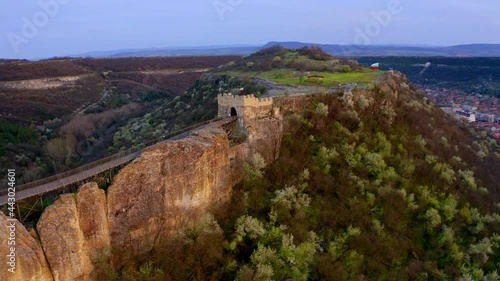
x: 168, y: 187
x: 74, y: 234
x: 265, y: 132
x: 31, y: 264
x: 238, y: 155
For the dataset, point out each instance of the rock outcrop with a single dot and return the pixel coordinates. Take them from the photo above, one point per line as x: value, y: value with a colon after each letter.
x: 30, y: 264
x: 75, y: 235
x: 170, y: 186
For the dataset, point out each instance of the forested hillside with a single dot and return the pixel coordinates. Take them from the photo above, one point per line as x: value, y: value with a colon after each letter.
x: 376, y: 184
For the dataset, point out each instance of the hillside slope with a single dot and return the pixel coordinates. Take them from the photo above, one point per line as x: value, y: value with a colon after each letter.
x: 376, y: 184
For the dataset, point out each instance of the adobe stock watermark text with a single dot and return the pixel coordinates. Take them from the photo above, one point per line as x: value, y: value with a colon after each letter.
x: 11, y: 221
x: 31, y: 26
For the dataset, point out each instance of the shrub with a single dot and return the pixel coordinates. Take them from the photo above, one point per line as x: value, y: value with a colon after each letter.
x: 467, y: 179
x: 433, y: 218
x: 115, y: 101
x: 152, y: 95
x: 321, y: 109
x: 16, y: 133
x: 277, y: 59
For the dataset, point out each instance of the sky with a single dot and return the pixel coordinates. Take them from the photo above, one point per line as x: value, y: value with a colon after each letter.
x: 48, y: 28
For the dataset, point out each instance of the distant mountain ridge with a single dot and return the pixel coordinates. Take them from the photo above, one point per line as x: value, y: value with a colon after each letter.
x: 469, y: 50
x: 174, y: 51
x: 337, y: 50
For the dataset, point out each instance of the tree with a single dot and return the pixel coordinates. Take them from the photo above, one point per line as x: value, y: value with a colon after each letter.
x: 60, y: 151
x: 433, y: 218
x: 276, y: 256
x: 254, y: 169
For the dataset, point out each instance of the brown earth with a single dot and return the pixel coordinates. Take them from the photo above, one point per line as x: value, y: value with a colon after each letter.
x: 44, y: 90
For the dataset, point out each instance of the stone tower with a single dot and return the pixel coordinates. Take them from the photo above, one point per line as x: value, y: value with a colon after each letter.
x: 247, y: 108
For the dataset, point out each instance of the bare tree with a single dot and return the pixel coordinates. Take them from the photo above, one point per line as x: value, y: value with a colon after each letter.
x: 60, y: 151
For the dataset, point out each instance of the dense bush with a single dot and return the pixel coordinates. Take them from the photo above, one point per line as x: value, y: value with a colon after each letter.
x: 152, y: 95
x: 15, y: 133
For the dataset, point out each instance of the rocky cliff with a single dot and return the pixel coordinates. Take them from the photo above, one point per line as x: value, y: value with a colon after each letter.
x: 74, y: 231
x: 30, y: 263
x: 170, y: 186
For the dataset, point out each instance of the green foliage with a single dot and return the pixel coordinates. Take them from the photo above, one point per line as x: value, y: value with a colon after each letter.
x: 276, y: 256
x: 430, y: 159
x: 153, y: 95
x: 325, y: 157
x: 16, y: 133
x: 420, y: 141
x: 116, y: 101
x: 249, y: 226
x: 387, y: 188
x: 433, y: 218
x: 448, y: 207
x: 467, y: 178
x: 445, y: 172
x: 322, y: 109
x: 338, y: 246
x: 286, y: 261
x: 290, y: 198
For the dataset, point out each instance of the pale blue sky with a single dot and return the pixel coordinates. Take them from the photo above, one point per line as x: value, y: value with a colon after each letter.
x: 78, y: 26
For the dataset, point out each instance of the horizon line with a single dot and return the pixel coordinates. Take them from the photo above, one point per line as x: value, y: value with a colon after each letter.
x: 249, y: 45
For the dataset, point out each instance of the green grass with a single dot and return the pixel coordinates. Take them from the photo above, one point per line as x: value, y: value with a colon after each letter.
x: 293, y: 78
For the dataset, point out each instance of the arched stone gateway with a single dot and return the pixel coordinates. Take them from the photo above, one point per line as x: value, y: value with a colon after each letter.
x: 233, y: 112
